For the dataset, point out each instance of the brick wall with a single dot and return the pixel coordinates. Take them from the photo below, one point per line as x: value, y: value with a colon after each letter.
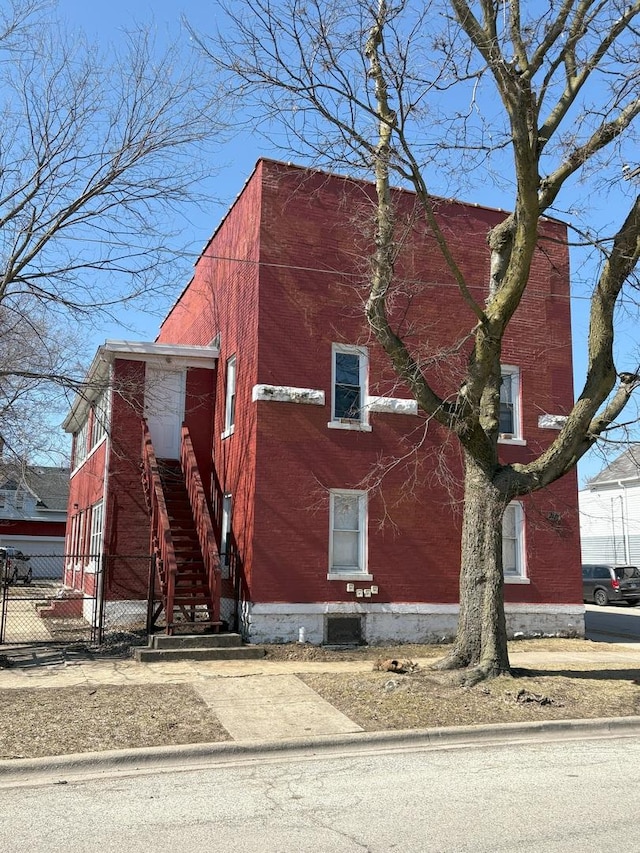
x: 283, y: 277
x: 314, y: 243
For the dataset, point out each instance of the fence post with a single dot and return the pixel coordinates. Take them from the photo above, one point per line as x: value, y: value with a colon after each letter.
x: 4, y: 586
x: 98, y: 619
x: 151, y: 594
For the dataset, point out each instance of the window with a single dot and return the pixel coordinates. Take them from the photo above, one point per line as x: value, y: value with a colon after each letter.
x: 510, y: 427
x: 95, y: 541
x: 349, y: 387
x: 230, y: 400
x: 225, y: 531
x: 80, y: 447
x: 347, y: 533
x: 513, y: 562
x: 100, y: 421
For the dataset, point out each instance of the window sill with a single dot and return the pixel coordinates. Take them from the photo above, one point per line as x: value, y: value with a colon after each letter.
x: 518, y: 442
x: 227, y: 432
x: 355, y: 425
x: 516, y: 579
x: 349, y: 576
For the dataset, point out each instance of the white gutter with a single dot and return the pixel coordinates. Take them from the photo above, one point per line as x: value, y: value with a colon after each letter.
x: 98, y: 374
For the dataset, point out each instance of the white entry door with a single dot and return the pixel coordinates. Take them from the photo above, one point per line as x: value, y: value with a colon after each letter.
x: 164, y: 409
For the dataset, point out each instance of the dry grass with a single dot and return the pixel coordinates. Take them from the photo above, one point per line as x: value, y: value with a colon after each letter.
x: 59, y: 721
x: 425, y: 699
x: 307, y: 652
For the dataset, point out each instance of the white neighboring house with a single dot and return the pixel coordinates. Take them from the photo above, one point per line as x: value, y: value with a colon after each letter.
x: 610, y: 512
x: 33, y: 513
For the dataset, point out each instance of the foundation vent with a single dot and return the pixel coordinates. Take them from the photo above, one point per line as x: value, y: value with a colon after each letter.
x: 343, y: 631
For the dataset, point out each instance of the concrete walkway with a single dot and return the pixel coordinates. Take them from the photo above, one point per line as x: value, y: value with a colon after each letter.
x: 24, y: 623
x: 271, y: 707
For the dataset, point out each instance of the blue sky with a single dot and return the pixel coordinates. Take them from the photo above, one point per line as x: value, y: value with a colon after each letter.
x: 104, y: 21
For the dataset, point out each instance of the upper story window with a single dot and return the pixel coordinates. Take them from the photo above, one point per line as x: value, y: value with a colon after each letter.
x: 100, y: 422
x: 513, y: 550
x: 230, y: 397
x: 94, y: 428
x: 80, y: 450
x: 349, y: 381
x: 510, y: 419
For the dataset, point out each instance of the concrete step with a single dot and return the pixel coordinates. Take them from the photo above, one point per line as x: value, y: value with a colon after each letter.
x: 196, y: 641
x: 150, y: 655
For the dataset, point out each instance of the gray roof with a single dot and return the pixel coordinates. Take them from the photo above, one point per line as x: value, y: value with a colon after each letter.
x: 50, y: 485
x: 624, y: 467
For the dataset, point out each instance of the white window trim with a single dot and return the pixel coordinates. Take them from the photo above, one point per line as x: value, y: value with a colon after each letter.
x: 521, y: 576
x: 231, y: 374
x: 515, y: 438
x: 363, y: 424
x: 351, y: 575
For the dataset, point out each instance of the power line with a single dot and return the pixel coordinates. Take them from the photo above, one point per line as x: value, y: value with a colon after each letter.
x: 360, y: 276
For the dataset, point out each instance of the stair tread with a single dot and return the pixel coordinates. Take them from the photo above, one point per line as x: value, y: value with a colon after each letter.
x: 225, y: 653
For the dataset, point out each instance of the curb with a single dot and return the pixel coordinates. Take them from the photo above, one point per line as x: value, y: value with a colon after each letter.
x: 81, y: 766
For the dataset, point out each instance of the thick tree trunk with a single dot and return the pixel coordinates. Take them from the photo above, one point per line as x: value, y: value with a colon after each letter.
x: 481, y: 639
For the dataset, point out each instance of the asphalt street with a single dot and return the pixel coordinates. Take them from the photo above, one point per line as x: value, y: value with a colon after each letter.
x: 616, y: 623
x: 563, y: 795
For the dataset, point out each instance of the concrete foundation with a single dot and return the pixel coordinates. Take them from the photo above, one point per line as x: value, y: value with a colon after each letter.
x: 400, y: 623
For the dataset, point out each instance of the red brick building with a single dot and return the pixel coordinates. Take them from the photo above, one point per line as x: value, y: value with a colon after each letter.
x: 334, y: 502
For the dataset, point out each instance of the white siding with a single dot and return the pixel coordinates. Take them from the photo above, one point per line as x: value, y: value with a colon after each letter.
x: 610, y: 524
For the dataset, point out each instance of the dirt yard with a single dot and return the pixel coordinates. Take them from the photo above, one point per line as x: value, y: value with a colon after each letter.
x: 40, y: 722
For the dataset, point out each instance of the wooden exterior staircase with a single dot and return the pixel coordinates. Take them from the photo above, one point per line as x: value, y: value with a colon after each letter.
x: 193, y: 600
x: 182, y: 540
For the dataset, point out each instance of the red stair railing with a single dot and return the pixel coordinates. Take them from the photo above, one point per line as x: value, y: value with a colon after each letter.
x: 161, y: 539
x: 202, y: 518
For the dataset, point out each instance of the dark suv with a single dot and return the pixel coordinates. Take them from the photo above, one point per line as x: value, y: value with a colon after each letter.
x: 603, y: 583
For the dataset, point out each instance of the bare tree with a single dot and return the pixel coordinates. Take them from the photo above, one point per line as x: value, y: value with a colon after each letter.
x: 530, y: 97
x: 39, y: 362
x: 101, y: 152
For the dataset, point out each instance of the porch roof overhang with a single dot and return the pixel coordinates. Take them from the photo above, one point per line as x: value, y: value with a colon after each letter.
x: 97, y: 379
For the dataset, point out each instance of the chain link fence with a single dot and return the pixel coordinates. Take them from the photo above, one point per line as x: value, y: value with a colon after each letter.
x: 84, y: 599
x: 97, y: 602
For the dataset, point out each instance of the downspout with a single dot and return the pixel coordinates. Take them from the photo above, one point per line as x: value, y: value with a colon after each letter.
x: 99, y: 630
x: 625, y: 528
